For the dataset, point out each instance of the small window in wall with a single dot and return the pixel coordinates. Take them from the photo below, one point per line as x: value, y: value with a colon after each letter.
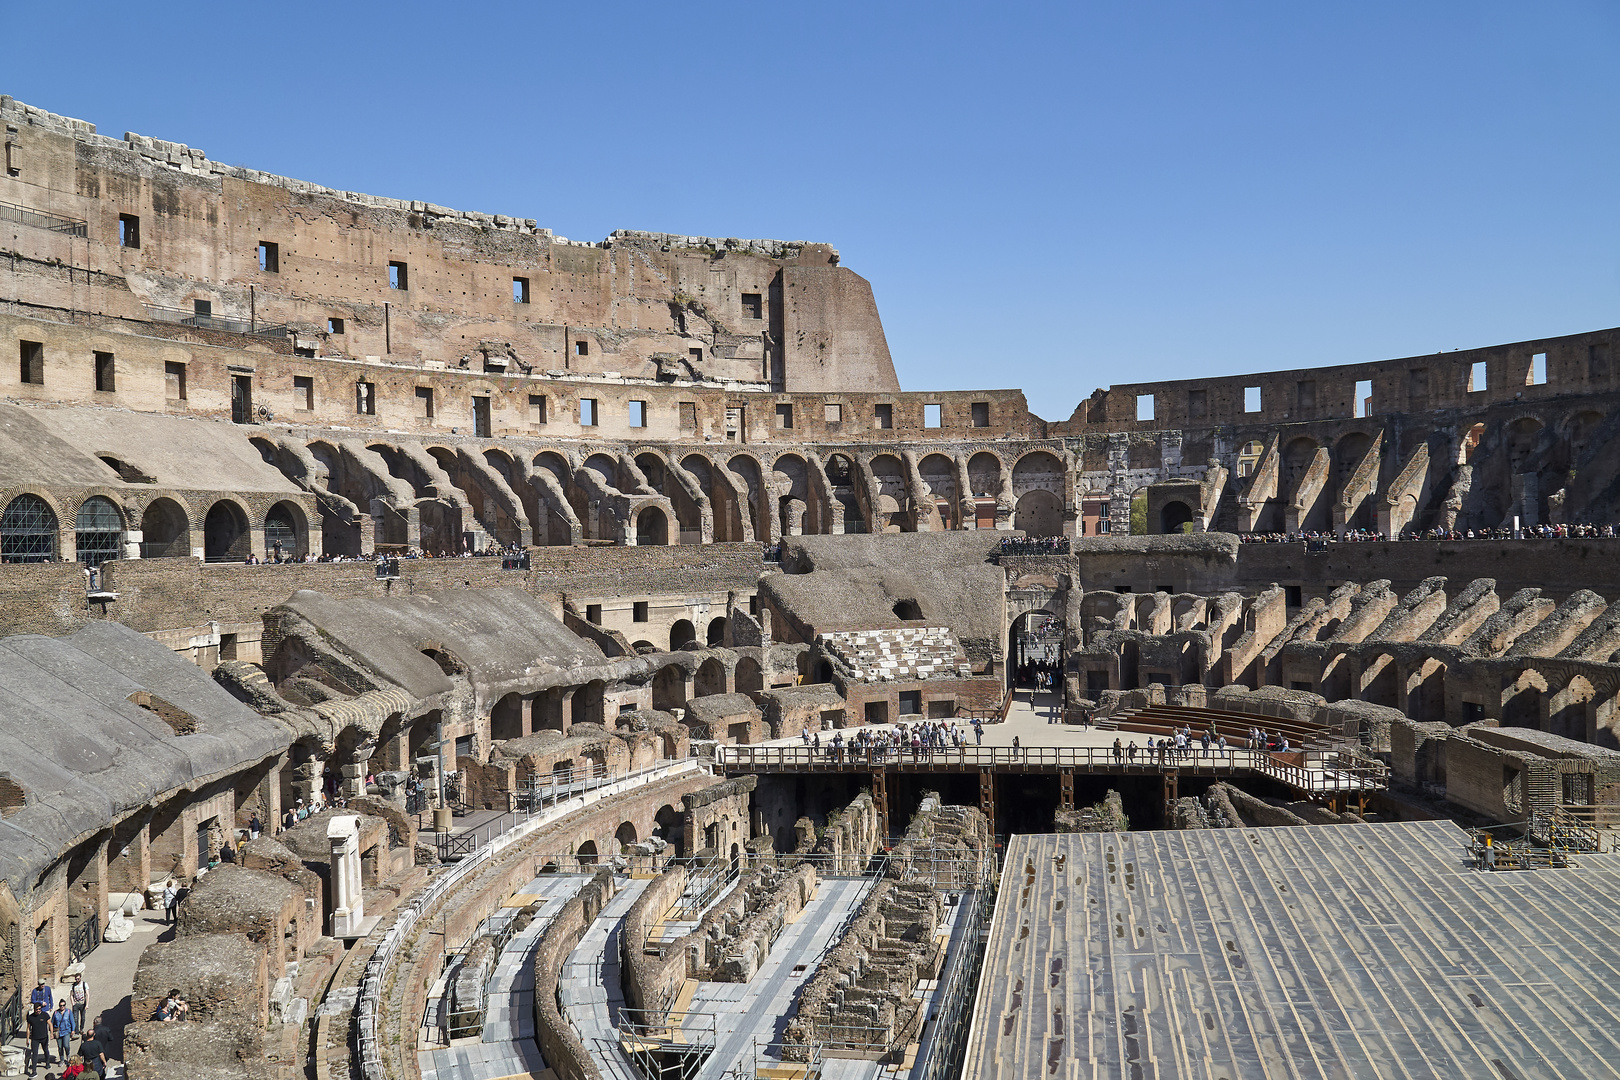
x: 784, y: 415
x: 269, y: 257
x: 520, y: 290
x: 1197, y: 404
x: 587, y: 412
x: 1361, y: 402
x: 481, y: 428
x: 104, y: 372
x: 688, y: 411
x: 1251, y: 399
x: 877, y: 712
x: 582, y: 348
x: 1305, y: 395
x: 933, y: 415
x: 1597, y: 362
x: 638, y: 611
x: 464, y: 746
x: 33, y: 362
x: 334, y: 326
x: 174, y: 380
x: 753, y: 305
x: 1144, y: 406
x: 1476, y: 377
x: 1293, y: 595
x: 424, y: 402
x: 537, y: 409
x: 303, y: 392
x: 1537, y: 375
x: 638, y: 414
x: 833, y: 413
x: 883, y: 416
x: 202, y: 311
x: 1417, y: 384
x: 365, y: 398
x: 981, y: 414
x: 399, y: 276
x: 696, y: 356
x: 593, y: 613
x: 753, y: 605
x: 129, y: 231
x: 736, y: 426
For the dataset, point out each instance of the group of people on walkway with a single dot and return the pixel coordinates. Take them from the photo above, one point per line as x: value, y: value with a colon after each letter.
x: 1181, y: 745
x: 55, y: 1022
x: 922, y: 738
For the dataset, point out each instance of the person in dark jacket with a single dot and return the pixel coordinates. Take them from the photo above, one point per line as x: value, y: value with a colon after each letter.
x: 39, y: 1037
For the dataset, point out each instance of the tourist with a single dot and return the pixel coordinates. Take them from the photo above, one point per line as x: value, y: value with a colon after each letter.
x: 1017, y: 750
x: 1119, y: 750
x: 254, y: 827
x: 39, y: 1037
x: 79, y: 994
x: 63, y: 1027
x: 170, y: 899
x: 42, y: 995
x: 94, y: 1051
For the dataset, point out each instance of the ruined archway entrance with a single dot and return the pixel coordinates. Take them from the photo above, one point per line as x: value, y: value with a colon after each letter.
x: 225, y: 533
x: 1174, y: 517
x: 652, y: 528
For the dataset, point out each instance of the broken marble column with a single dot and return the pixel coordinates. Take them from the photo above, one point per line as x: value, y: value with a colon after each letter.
x: 348, y: 906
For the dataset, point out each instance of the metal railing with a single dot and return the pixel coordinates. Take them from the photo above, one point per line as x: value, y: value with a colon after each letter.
x: 953, y: 1008
x: 368, y: 1001
x: 665, y: 1045
x: 182, y: 317
x: 43, y: 219
x: 11, y: 1018
x: 83, y: 939
x: 1311, y: 770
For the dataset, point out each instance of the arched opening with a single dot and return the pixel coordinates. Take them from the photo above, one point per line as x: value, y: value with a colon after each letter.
x: 746, y: 469
x: 625, y: 834
x: 586, y: 853
x: 225, y: 533
x: 1248, y: 458
x: 984, y: 485
x: 28, y: 531
x: 798, y: 511
x: 668, y: 824
x: 1035, y: 650
x: 588, y: 702
x: 165, y: 531
x: 506, y: 718
x: 711, y: 678
x: 1571, y: 712
x: 894, y: 503
x: 749, y: 677
x: 1175, y: 517
x: 841, y: 476
x: 1039, y: 513
x: 98, y: 531
x: 681, y: 633
x: 908, y: 610
x: 285, y: 534
x: 643, y: 647
x: 716, y: 634
x: 939, y: 473
x: 736, y: 860
x: 669, y: 687
x: 652, y: 528
x: 1470, y: 444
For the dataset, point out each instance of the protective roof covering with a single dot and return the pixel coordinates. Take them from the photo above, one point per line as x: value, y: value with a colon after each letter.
x: 500, y: 635
x: 84, y: 754
x: 1327, y: 951
x: 63, y: 447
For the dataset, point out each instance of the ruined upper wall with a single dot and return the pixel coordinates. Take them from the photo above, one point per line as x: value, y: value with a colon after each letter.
x: 776, y: 313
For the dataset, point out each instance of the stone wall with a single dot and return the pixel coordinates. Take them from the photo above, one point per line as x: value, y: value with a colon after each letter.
x: 562, y: 1049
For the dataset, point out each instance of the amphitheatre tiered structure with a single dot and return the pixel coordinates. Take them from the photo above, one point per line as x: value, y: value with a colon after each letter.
x: 568, y: 582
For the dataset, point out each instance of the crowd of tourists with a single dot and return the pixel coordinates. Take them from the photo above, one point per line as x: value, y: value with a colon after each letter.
x: 57, y: 1023
x: 1182, y: 745
x: 1352, y: 536
x: 922, y: 739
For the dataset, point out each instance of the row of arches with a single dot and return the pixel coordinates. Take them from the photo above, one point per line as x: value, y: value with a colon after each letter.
x: 32, y: 530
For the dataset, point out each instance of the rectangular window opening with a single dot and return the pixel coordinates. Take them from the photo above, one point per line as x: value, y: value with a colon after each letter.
x: 1197, y: 404
x: 399, y: 276
x: 202, y: 311
x: 933, y: 415
x: 1477, y: 377
x: 537, y: 409
x: 365, y: 398
x: 1144, y: 406
x: 753, y: 305
x: 1251, y: 399
x: 981, y: 414
x: 688, y: 412
x: 696, y: 356
x: 833, y: 413
x: 481, y: 428
x: 883, y: 416
x: 241, y: 399
x: 104, y: 372
x: 424, y: 402
x: 784, y: 415
x: 587, y: 412
x: 269, y: 257
x: 174, y: 380
x: 129, y: 231
x: 1362, y: 400
x: 593, y: 614
x: 638, y: 414
x: 334, y: 326
x: 33, y: 362
x: 303, y: 393
x: 1537, y: 375
x: 638, y: 611
x: 520, y: 290
x: 1305, y: 395
x: 582, y: 348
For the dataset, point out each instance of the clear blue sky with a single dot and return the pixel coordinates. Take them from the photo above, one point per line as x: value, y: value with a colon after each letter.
x: 1054, y: 197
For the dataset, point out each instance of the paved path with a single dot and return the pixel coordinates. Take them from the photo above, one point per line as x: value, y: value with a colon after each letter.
x: 507, y: 1047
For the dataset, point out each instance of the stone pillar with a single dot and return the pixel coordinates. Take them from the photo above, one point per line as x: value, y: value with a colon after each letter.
x: 348, y: 902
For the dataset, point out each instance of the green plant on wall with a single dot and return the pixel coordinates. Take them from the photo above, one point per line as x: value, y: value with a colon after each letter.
x: 1139, y: 513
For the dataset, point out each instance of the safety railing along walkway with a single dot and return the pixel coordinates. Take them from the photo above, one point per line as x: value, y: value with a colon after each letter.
x: 369, y: 1000
x: 1309, y: 770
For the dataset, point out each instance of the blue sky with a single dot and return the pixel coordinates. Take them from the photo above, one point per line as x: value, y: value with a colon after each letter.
x: 1054, y: 197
